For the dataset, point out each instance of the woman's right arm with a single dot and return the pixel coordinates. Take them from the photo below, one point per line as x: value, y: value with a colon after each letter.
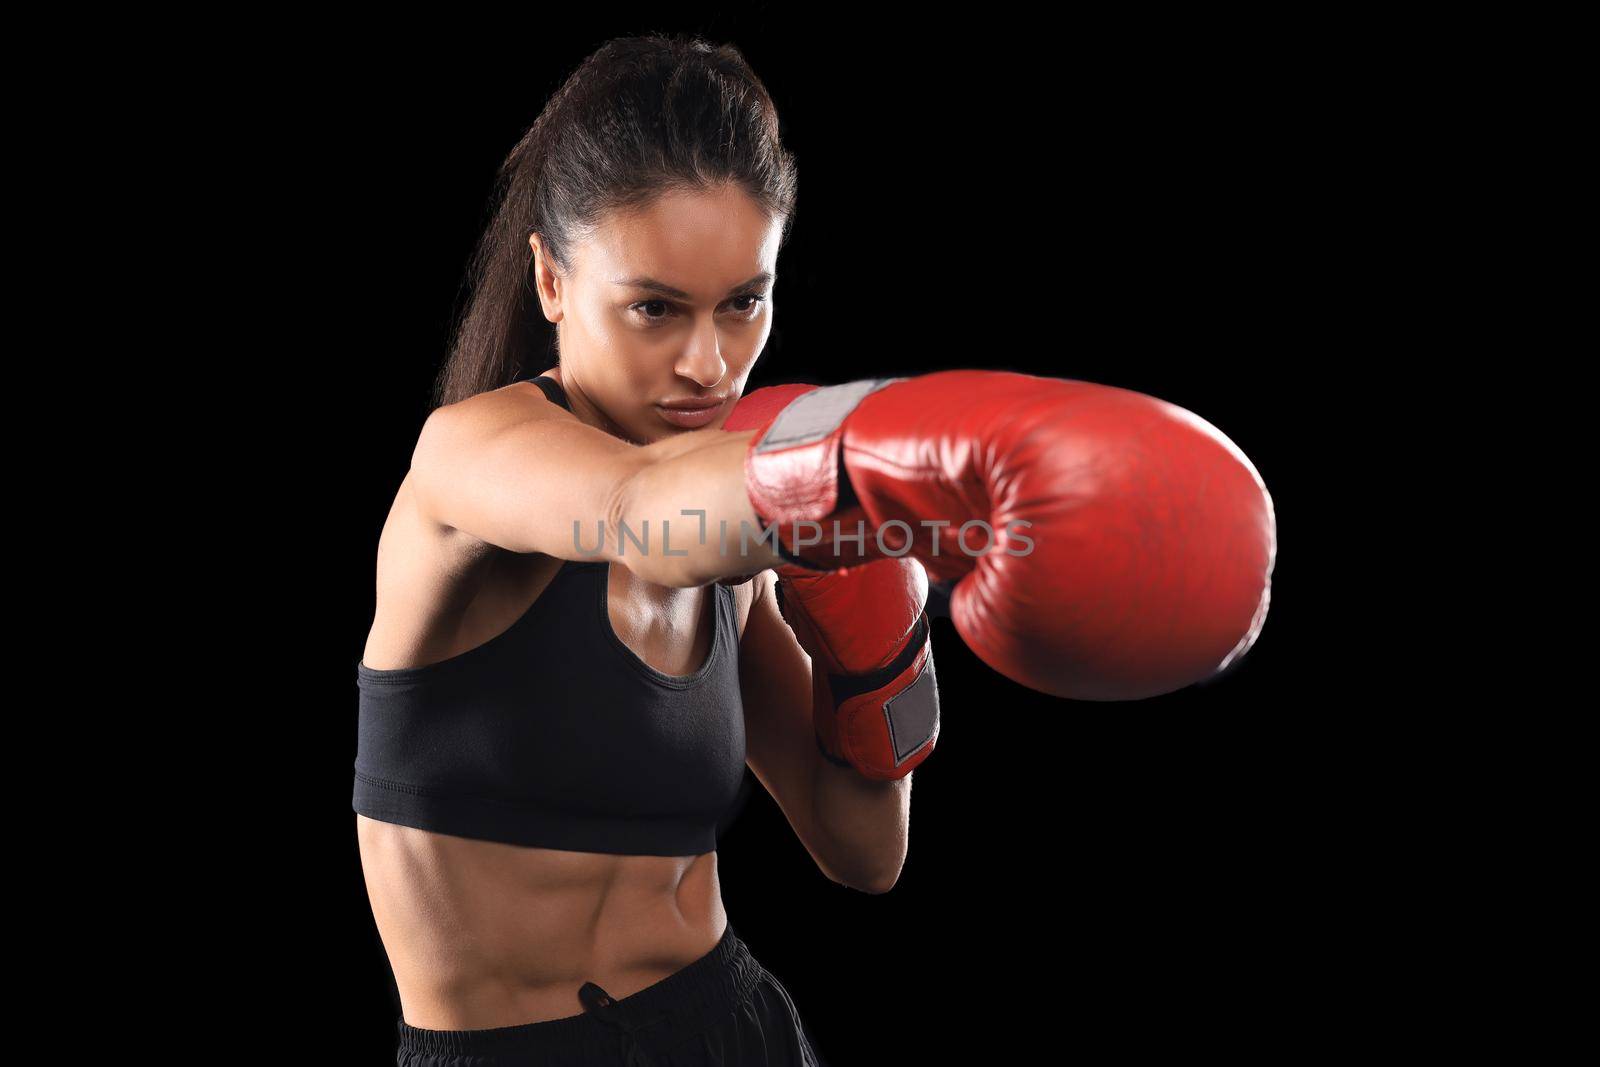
x: 512, y: 469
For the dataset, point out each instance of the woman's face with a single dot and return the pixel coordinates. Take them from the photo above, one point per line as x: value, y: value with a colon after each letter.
x: 663, y: 305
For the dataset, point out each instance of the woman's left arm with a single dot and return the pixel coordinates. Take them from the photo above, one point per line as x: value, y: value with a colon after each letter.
x: 855, y: 828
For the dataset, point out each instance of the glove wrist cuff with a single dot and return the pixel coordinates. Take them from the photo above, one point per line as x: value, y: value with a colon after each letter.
x: 884, y: 722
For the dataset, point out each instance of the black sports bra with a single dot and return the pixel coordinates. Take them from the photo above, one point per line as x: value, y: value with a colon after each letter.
x: 555, y: 734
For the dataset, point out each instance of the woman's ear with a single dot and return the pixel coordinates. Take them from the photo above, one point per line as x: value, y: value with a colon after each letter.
x: 546, y: 281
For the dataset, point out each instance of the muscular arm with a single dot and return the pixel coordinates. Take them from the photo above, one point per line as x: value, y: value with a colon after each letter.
x: 513, y: 470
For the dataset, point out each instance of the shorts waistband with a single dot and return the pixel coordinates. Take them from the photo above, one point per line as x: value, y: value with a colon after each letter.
x: 678, y: 1006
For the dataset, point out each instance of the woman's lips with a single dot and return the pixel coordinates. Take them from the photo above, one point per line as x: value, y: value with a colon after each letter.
x: 690, y: 418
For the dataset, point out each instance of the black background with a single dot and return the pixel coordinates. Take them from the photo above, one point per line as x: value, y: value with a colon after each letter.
x: 1158, y: 207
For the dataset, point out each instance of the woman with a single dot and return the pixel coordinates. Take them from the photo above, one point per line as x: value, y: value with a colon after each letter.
x: 551, y: 731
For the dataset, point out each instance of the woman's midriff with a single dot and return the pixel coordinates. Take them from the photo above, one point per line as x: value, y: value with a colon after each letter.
x: 482, y: 934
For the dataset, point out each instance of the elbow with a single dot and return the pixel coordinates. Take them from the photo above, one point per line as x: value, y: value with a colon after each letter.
x: 880, y: 886
x: 874, y: 883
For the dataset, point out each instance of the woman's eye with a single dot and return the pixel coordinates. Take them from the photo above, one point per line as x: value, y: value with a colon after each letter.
x: 745, y: 305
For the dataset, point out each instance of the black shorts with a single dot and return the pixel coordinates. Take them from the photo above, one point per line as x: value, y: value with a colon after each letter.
x: 723, y: 1009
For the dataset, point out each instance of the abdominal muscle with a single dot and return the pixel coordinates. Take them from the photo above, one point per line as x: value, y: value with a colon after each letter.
x: 482, y: 934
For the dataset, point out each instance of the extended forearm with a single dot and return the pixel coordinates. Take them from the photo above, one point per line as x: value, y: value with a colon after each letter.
x: 683, y: 518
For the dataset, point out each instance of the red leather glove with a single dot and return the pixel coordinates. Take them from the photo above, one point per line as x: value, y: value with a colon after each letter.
x: 1104, y: 544
x: 874, y: 695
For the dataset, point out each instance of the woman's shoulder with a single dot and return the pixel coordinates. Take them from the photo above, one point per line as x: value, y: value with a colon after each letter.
x: 483, y: 416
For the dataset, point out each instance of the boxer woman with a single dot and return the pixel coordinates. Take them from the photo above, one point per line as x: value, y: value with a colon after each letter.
x: 551, y: 728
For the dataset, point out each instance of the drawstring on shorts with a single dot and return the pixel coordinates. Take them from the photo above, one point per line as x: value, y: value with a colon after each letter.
x: 601, y: 1005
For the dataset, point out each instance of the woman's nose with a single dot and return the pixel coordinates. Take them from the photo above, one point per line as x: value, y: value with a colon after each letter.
x: 703, y: 362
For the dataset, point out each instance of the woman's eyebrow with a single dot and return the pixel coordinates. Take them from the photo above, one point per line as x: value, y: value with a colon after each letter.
x: 678, y: 294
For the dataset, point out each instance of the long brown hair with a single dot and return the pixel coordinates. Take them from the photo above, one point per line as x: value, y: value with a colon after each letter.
x: 638, y: 117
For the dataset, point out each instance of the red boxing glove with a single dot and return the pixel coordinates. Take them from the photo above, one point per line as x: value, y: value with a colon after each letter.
x: 875, y: 698
x: 1105, y: 545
